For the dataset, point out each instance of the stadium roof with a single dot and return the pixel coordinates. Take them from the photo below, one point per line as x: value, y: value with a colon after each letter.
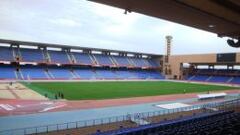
x: 29, y: 43
x: 218, y: 16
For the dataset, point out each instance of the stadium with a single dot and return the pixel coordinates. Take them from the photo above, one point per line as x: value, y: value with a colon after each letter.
x: 63, y: 89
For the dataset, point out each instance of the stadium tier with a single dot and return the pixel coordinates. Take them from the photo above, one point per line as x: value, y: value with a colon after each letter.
x: 14, y: 54
x: 6, y: 54
x: 82, y: 58
x: 32, y: 55
x: 202, y: 124
x: 7, y: 72
x: 103, y: 60
x: 32, y: 72
x: 54, y: 72
x: 215, y: 75
x: 121, y: 61
x: 59, y: 57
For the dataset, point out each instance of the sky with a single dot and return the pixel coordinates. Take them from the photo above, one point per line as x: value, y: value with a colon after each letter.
x: 88, y: 24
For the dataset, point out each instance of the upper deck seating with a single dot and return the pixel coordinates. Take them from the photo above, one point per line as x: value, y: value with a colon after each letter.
x: 139, y: 62
x: 32, y: 55
x: 7, y: 72
x: 82, y: 58
x: 103, y: 60
x: 6, y: 54
x: 59, y: 57
x: 122, y: 61
x: 153, y: 63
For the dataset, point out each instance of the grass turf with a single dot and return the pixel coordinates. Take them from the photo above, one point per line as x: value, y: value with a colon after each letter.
x: 110, y: 90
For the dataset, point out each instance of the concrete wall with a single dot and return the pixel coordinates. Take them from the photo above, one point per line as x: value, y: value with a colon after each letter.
x: 175, y: 61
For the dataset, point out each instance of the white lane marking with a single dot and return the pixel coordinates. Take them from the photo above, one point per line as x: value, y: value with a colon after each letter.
x: 7, y: 107
x: 173, y: 105
x: 50, y: 108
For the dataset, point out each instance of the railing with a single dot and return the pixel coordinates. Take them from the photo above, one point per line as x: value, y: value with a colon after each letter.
x: 78, y: 124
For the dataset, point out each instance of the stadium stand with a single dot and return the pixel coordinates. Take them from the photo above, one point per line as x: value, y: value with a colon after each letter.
x: 106, y: 74
x: 214, y: 75
x: 6, y: 54
x: 7, y: 72
x: 82, y: 65
x: 194, y: 125
x: 122, y: 61
x: 59, y: 57
x: 139, y: 62
x: 83, y: 58
x: 60, y: 73
x: 33, y: 72
x: 32, y: 55
x: 103, y: 60
x: 84, y: 73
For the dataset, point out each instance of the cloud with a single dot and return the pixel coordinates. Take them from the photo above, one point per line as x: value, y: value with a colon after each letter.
x: 66, y: 22
x: 85, y: 23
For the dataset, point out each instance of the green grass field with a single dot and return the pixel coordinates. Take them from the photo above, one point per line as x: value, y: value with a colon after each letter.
x: 110, y: 90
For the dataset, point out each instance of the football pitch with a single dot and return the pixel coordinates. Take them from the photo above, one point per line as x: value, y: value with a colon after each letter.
x: 119, y: 89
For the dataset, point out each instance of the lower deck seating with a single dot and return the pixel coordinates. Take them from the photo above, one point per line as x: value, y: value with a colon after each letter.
x: 235, y: 80
x: 7, y: 72
x: 85, y: 73
x: 53, y: 72
x: 219, y: 123
x: 223, y: 79
x: 198, y: 78
x: 60, y: 73
x: 33, y: 73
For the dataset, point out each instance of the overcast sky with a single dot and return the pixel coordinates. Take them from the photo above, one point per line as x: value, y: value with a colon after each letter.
x: 87, y: 24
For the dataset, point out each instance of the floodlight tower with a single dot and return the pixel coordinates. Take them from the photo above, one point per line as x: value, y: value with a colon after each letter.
x: 167, y: 68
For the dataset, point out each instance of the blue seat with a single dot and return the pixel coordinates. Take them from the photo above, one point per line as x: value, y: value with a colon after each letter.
x: 59, y: 57
x: 85, y: 73
x: 122, y: 61
x: 61, y: 73
x: 82, y: 58
x: 6, y: 54
x: 103, y: 60
x: 33, y: 73
x: 32, y: 55
x: 7, y: 72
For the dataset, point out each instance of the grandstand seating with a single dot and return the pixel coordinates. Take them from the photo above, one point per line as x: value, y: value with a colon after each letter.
x: 121, y: 61
x: 139, y: 62
x: 198, y: 78
x: 235, y: 80
x: 7, y: 72
x: 85, y: 73
x: 6, y: 54
x: 31, y: 55
x: 219, y: 79
x: 60, y: 73
x: 82, y: 58
x: 32, y: 72
x: 215, y: 75
x: 106, y: 74
x: 59, y: 57
x: 218, y: 123
x: 63, y: 57
x: 104, y: 60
